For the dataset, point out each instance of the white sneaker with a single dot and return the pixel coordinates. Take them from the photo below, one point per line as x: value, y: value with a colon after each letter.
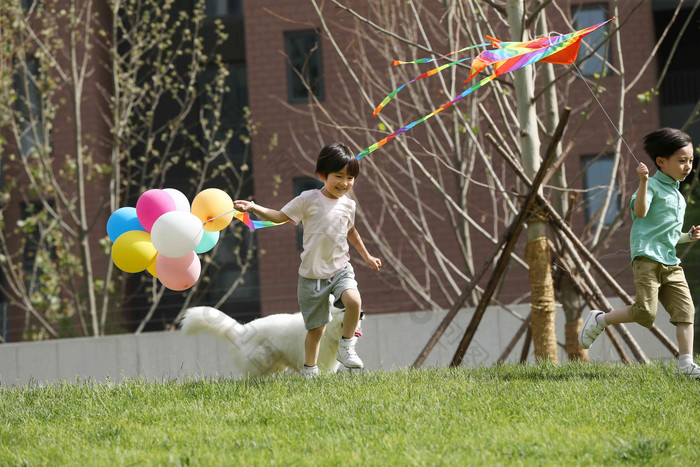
x: 590, y: 330
x: 691, y: 371
x: 309, y: 371
x: 347, y: 355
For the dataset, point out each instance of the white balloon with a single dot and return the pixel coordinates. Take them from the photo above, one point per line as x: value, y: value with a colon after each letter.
x: 181, y: 201
x: 176, y: 233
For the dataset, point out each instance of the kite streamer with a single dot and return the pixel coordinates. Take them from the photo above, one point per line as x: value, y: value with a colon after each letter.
x: 428, y: 60
x: 505, y: 57
x: 245, y: 218
x: 424, y: 75
x: 253, y: 224
x: 403, y: 130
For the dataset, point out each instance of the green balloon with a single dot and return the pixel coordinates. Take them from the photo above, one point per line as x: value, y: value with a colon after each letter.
x: 208, y: 241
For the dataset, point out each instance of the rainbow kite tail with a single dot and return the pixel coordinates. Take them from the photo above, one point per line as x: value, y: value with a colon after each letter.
x: 244, y: 217
x: 428, y: 73
x: 403, y: 130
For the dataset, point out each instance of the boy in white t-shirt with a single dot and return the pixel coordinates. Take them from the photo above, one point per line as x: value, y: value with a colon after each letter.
x: 329, y: 224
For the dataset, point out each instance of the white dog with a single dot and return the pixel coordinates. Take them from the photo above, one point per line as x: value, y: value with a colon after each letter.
x: 269, y: 344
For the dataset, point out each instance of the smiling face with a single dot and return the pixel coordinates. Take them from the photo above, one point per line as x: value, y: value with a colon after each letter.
x: 337, y: 184
x: 679, y: 164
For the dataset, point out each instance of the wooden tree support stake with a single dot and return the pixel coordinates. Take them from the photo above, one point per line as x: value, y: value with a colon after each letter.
x: 556, y: 219
x: 509, y: 348
x: 510, y: 245
x: 526, y: 345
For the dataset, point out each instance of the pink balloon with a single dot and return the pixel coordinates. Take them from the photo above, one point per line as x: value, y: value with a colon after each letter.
x: 178, y: 273
x: 151, y: 205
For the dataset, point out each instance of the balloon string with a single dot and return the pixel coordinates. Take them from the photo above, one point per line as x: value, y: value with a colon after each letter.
x: 222, y: 214
x: 245, y: 218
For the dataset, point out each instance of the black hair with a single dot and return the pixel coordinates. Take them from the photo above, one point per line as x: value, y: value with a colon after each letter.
x: 334, y: 157
x: 664, y: 142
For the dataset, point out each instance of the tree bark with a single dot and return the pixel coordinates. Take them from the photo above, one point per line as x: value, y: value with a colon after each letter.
x: 537, y: 254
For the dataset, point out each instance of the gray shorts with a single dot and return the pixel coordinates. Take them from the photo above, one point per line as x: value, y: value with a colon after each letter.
x: 313, y: 295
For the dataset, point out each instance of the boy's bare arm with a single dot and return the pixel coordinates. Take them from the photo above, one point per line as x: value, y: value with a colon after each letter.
x: 356, y: 241
x: 640, y: 202
x: 266, y: 213
x: 691, y: 236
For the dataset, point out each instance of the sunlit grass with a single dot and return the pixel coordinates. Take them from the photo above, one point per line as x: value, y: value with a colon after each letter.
x: 543, y: 414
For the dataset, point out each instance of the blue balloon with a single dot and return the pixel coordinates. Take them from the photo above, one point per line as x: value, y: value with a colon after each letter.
x: 208, y: 241
x: 122, y: 220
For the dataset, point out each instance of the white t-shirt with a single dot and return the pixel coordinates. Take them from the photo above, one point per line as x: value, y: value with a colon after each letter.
x: 326, y: 225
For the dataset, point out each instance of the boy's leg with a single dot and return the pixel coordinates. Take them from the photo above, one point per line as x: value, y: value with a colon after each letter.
x: 353, y: 305
x: 677, y: 300
x: 619, y: 316
x: 312, y: 344
x: 684, y: 334
x: 686, y: 366
x: 647, y: 285
x: 346, y: 347
x: 596, y: 322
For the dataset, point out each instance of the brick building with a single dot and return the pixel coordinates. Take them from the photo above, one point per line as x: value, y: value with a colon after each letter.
x: 269, y: 24
x: 269, y: 38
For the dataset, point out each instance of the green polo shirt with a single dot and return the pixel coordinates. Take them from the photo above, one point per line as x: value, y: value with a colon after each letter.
x: 656, y: 235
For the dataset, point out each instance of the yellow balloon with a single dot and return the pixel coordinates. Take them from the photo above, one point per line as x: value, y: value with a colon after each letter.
x: 152, y: 269
x: 211, y: 203
x: 133, y: 251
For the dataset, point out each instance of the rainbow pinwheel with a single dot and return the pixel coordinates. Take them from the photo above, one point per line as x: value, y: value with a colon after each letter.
x: 253, y: 224
x: 505, y: 57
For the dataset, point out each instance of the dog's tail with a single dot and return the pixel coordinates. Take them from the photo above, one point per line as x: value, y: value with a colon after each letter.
x: 208, y: 319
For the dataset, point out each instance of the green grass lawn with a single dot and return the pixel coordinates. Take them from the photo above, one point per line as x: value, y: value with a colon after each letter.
x: 544, y: 414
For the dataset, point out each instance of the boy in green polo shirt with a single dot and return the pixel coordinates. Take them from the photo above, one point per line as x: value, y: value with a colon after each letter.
x: 657, y: 211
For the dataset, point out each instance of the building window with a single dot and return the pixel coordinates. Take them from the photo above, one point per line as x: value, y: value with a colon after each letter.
x: 228, y: 113
x: 37, y: 247
x: 28, y: 4
x: 223, y: 8
x: 595, y: 181
x: 304, y: 67
x: 301, y: 185
x: 28, y: 107
x: 597, y: 64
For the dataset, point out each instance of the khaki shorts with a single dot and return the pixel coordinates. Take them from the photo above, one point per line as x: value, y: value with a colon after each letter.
x: 656, y: 282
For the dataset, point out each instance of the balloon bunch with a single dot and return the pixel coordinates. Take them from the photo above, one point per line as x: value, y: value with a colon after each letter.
x: 163, y: 233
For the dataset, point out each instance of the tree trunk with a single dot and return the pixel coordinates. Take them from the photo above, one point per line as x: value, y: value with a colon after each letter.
x: 83, y: 227
x: 537, y: 253
x: 571, y: 302
x: 543, y: 306
x: 566, y: 292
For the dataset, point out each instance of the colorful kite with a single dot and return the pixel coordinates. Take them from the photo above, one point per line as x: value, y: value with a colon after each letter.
x: 505, y: 57
x: 253, y: 224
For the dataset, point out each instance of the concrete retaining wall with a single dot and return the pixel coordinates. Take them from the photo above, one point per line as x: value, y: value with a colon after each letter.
x: 389, y: 341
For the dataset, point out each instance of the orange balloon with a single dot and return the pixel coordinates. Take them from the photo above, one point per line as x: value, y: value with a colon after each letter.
x: 211, y: 203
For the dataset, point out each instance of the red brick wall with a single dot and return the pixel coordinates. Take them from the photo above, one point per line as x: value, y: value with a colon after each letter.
x: 95, y: 132
x: 267, y: 20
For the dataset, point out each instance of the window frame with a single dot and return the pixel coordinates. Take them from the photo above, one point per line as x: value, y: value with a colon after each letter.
x: 29, y: 106
x: 591, y: 192
x: 313, y: 61
x: 600, y: 63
